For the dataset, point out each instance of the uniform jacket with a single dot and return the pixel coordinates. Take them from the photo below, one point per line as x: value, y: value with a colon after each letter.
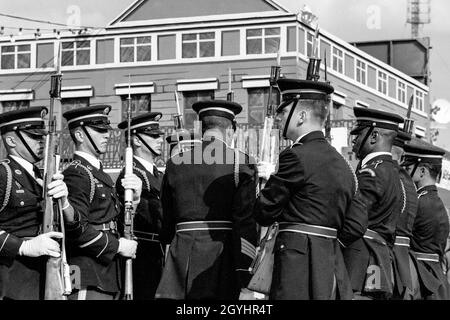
x: 430, y: 232
x: 314, y: 185
x: 208, y: 264
x: 21, y: 278
x: 404, y: 229
x: 93, y: 251
x: 382, y: 199
x: 147, y: 266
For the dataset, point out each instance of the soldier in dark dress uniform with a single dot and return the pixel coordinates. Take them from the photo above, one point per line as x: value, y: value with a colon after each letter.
x: 369, y: 231
x: 23, y: 250
x: 146, y: 140
x: 404, y: 270
x: 93, y: 255
x: 431, y: 226
x: 308, y: 196
x: 208, y: 193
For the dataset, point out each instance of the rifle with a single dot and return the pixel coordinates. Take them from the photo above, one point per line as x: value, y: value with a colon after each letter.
x: 57, y: 276
x: 178, y: 123
x: 230, y: 98
x: 328, y: 121
x: 409, y: 123
x: 128, y: 199
x: 266, y: 153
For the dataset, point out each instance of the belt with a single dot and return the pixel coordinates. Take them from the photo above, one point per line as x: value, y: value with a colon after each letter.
x: 204, y: 225
x: 373, y: 235
x: 402, y: 241
x: 107, y: 226
x: 146, y: 236
x: 308, y: 229
x: 433, y: 257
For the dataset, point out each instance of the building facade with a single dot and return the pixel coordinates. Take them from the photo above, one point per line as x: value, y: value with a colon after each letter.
x: 201, y: 49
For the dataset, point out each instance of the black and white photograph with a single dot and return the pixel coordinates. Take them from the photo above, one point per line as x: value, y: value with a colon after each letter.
x: 218, y: 157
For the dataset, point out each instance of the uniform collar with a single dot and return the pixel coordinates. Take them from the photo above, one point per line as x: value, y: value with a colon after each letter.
x: 89, y: 158
x: 28, y: 166
x: 310, y: 136
x: 146, y: 164
x: 373, y: 156
x: 430, y: 187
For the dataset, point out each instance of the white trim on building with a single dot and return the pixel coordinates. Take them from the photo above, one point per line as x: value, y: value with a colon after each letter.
x: 134, y: 88
x: 16, y: 95
x: 255, y: 81
x: 197, y: 84
x: 77, y: 92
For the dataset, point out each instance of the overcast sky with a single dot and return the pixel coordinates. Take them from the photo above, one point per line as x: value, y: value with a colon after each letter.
x: 351, y: 20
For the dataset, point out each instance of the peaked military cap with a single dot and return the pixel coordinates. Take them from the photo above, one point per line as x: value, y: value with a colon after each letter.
x: 146, y: 123
x: 29, y: 120
x: 291, y: 89
x: 93, y: 116
x: 375, y: 118
x: 401, y: 139
x: 219, y: 108
x: 423, y: 153
x: 187, y: 136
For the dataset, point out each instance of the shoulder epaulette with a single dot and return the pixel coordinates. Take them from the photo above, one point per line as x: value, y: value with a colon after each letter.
x: 422, y: 194
x: 296, y: 144
x: 369, y: 171
x: 76, y: 164
x: 5, y: 164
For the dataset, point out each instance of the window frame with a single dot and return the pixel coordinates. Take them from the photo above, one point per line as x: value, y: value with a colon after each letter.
x: 75, y: 50
x: 401, y: 91
x: 198, y: 42
x: 339, y: 60
x: 15, y: 55
x: 361, y: 72
x: 263, y: 37
x: 382, y: 82
x: 135, y: 47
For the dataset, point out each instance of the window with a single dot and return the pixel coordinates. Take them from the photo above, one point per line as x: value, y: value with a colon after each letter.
x: 257, y: 103
x: 76, y: 53
x: 70, y: 104
x: 140, y: 104
x: 198, y: 45
x: 401, y: 92
x: 135, y: 49
x: 15, y: 105
x: 419, y: 101
x: 338, y: 60
x: 261, y: 41
x: 309, y: 44
x: 189, y: 98
x: 16, y: 57
x: 361, y: 72
x: 382, y: 82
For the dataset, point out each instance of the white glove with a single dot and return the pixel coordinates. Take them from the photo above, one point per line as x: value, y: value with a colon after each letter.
x: 265, y: 169
x: 42, y: 245
x: 133, y: 182
x: 58, y: 189
x: 127, y: 248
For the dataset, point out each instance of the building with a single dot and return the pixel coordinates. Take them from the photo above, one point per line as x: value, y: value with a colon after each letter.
x: 165, y: 46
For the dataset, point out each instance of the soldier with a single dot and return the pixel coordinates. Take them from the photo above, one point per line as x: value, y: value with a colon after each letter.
x: 404, y: 270
x: 182, y: 140
x: 369, y: 230
x: 208, y: 193
x: 146, y: 142
x: 94, y: 253
x: 23, y: 249
x: 308, y: 196
x: 431, y: 226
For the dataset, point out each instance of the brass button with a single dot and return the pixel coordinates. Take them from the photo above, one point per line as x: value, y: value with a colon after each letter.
x: 22, y: 203
x: 103, y: 195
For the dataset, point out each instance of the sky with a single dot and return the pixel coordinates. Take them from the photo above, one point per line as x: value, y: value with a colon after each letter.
x: 350, y: 20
